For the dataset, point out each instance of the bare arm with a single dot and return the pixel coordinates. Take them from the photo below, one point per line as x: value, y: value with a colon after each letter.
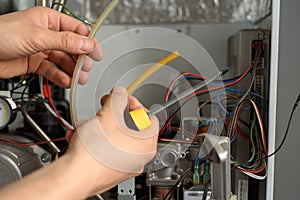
x: 78, y: 173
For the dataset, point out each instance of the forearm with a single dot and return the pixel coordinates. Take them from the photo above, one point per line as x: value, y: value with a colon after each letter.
x: 73, y: 176
x: 55, y: 181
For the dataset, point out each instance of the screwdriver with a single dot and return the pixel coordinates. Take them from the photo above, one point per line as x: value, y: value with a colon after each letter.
x: 139, y: 119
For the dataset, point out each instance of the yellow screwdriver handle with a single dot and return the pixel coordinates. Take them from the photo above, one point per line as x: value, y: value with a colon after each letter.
x: 137, y: 119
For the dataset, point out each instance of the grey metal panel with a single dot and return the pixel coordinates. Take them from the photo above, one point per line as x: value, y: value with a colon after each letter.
x: 287, y: 164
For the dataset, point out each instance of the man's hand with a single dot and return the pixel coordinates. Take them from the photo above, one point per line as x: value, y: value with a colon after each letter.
x: 44, y: 41
x: 107, y: 145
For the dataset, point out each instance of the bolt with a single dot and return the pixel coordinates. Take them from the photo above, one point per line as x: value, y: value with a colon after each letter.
x: 45, y: 157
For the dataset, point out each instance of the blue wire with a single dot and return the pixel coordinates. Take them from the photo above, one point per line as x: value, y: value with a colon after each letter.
x: 218, y: 98
x: 243, y: 91
x: 234, y: 136
x: 197, y: 159
x: 222, y: 107
x: 204, y: 123
x: 212, y: 129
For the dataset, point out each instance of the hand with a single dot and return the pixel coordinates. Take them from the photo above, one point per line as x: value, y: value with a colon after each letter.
x: 81, y: 171
x: 114, y: 158
x: 39, y: 39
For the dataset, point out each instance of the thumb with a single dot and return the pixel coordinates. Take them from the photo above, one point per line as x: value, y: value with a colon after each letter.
x: 119, y: 100
x: 69, y: 42
x: 115, y: 103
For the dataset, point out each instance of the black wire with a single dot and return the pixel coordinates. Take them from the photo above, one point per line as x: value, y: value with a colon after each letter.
x: 287, y: 128
x: 187, y: 100
x: 205, y: 191
x: 257, y: 53
x: 28, y: 80
x: 201, y: 79
x: 286, y: 132
x: 184, y: 175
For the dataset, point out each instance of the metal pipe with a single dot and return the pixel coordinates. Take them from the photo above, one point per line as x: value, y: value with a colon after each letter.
x: 44, y: 3
x: 36, y: 127
x: 57, y: 7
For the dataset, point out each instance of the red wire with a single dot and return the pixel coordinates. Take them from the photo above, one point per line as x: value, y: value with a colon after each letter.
x: 30, y: 144
x: 222, y: 86
x: 261, y: 125
x: 176, y: 140
x: 51, y: 103
x: 166, y: 124
x: 235, y: 122
x: 240, y: 131
x: 208, y: 89
x: 187, y: 132
x: 259, y: 121
x: 173, y: 83
x: 253, y: 171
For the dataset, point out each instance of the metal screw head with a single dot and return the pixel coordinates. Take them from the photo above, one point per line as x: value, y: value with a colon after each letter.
x: 45, y: 157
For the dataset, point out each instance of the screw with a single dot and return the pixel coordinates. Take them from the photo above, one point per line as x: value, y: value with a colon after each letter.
x: 45, y: 157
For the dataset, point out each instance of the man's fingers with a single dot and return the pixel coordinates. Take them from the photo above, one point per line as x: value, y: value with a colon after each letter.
x: 87, y: 65
x: 63, y: 60
x: 134, y: 104
x: 50, y: 71
x: 97, y: 53
x: 83, y: 78
x: 55, y: 21
x: 69, y: 42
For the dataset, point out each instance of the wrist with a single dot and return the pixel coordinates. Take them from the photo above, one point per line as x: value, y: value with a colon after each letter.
x: 92, y: 176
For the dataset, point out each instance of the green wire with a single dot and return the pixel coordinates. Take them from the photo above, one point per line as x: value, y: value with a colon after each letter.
x: 252, y: 143
x: 72, y: 13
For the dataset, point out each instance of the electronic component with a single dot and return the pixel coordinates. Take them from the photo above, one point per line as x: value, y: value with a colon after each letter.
x: 17, y: 161
x: 8, y: 109
x: 195, y: 193
x: 242, y: 48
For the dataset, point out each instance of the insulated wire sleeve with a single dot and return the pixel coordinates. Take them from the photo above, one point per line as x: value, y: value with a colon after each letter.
x: 68, y: 11
x: 69, y: 126
x: 287, y: 128
x: 81, y: 58
x: 151, y: 70
x: 258, y: 51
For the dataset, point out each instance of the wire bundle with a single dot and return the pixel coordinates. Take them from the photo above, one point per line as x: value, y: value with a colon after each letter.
x: 256, y: 164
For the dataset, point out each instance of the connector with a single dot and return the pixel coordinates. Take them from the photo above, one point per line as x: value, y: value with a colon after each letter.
x: 196, y: 176
x: 258, y: 86
x: 261, y: 57
x: 258, y: 43
x: 206, y: 174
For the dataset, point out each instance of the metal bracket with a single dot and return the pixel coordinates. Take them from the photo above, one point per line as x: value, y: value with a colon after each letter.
x: 218, y: 152
x: 126, y: 190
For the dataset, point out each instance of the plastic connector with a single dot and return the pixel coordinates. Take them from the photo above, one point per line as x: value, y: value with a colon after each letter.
x: 206, y: 174
x: 196, y: 176
x: 47, y: 91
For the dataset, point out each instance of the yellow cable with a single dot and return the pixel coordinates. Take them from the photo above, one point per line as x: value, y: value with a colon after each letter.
x: 151, y: 71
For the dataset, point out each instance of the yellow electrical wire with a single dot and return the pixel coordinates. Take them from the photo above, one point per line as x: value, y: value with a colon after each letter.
x: 151, y: 71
